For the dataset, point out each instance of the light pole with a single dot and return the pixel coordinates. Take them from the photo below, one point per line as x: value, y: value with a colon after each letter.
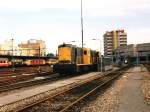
x: 82, y: 24
x: 101, y: 61
x: 82, y: 40
x: 137, y: 59
x: 71, y: 41
x: 12, y: 54
x: 39, y: 68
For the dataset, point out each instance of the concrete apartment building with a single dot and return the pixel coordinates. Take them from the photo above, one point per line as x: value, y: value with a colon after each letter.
x: 113, y: 40
x: 32, y: 47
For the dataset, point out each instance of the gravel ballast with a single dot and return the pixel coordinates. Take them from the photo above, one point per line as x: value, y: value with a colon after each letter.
x: 107, y: 101
x: 130, y: 93
x: 145, y: 86
x: 21, y: 99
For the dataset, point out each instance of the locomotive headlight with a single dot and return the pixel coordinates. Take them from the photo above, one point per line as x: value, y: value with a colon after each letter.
x: 125, y: 61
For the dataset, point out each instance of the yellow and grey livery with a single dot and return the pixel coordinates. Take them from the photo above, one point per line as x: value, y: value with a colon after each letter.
x: 73, y: 59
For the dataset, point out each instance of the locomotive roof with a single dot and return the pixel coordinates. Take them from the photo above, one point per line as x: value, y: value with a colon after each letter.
x: 67, y: 45
x: 3, y: 58
x: 70, y: 45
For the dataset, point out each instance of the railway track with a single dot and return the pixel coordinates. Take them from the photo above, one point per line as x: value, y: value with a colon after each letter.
x: 11, y: 86
x: 34, y: 79
x: 10, y: 77
x: 70, y: 99
x: 20, y: 70
x: 14, y: 79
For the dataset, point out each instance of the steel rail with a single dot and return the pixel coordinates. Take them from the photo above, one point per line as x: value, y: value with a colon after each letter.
x: 21, y: 70
x: 59, y: 93
x: 27, y: 83
x: 67, y: 90
x: 87, y: 94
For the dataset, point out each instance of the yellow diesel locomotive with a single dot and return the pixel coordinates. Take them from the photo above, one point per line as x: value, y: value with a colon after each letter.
x: 73, y: 59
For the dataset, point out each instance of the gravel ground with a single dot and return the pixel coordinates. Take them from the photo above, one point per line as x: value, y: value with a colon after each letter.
x: 24, y: 102
x: 146, y: 86
x: 109, y: 100
x: 27, y: 101
x: 45, y: 68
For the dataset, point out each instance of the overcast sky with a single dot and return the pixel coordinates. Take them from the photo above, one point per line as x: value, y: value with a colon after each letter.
x: 58, y: 21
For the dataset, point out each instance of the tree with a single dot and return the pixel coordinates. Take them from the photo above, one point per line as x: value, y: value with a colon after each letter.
x: 50, y: 55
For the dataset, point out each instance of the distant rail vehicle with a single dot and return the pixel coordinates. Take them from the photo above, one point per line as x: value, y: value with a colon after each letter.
x: 34, y: 62
x: 16, y: 62
x: 51, y: 61
x: 4, y: 62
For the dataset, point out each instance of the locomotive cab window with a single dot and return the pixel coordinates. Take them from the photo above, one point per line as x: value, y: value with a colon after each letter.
x: 85, y: 52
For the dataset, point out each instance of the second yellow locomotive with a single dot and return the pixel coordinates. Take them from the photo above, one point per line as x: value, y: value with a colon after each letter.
x: 73, y: 59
